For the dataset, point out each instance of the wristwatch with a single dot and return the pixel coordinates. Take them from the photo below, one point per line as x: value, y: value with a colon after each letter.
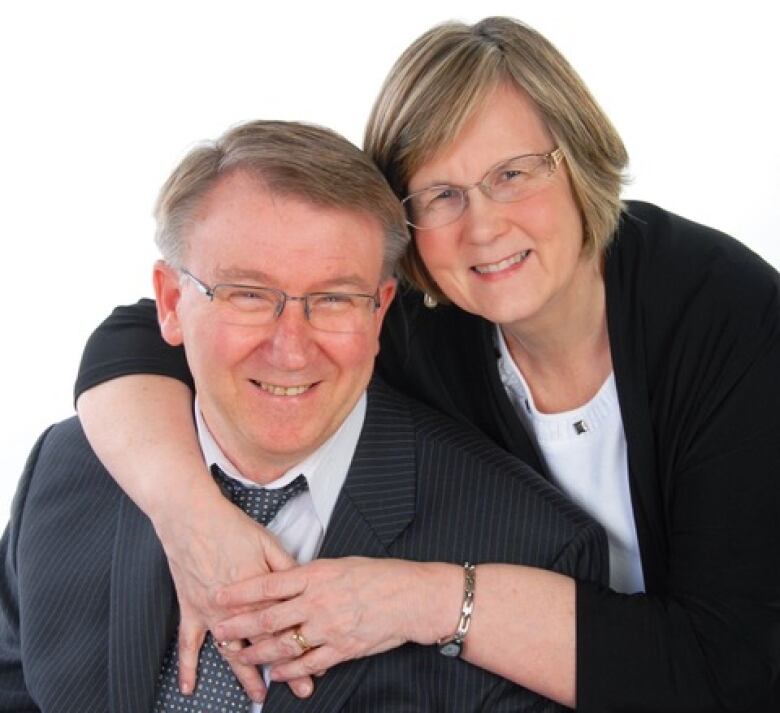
x: 452, y: 646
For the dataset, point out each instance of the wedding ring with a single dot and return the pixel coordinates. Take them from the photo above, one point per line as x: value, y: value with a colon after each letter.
x: 301, y: 640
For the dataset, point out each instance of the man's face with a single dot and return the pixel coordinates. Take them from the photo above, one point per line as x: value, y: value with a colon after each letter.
x: 271, y: 395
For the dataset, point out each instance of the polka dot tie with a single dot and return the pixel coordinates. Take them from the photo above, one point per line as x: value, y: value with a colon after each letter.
x: 218, y: 690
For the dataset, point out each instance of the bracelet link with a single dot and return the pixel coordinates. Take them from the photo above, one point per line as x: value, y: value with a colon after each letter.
x: 453, y: 645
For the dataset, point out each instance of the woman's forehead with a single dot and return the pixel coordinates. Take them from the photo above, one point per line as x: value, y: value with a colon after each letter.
x: 507, y: 123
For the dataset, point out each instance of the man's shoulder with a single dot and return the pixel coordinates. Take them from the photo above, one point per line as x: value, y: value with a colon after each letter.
x: 465, y: 482
x: 62, y: 468
x: 64, y: 446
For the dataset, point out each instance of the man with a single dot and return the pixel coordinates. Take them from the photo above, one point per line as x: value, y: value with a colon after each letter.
x: 279, y: 244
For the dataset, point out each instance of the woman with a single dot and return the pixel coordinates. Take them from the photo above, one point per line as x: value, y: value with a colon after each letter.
x: 628, y: 354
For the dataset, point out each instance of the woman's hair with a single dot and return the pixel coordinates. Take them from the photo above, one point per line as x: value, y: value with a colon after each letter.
x: 289, y: 158
x: 444, y: 78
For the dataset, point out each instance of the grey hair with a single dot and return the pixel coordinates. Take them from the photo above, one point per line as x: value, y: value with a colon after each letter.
x: 294, y: 159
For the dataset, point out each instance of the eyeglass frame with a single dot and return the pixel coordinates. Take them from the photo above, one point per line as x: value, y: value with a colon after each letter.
x: 282, y: 298
x: 553, y: 159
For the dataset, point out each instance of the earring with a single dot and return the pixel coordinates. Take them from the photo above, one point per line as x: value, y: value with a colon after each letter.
x: 429, y: 302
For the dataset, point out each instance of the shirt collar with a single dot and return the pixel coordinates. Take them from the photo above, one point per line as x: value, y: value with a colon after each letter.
x: 325, y: 469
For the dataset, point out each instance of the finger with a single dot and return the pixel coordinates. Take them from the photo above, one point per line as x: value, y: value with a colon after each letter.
x: 248, y: 676
x: 271, y: 650
x: 302, y: 687
x: 276, y: 557
x: 191, y: 636
x: 275, y: 585
x: 270, y: 620
x: 316, y: 661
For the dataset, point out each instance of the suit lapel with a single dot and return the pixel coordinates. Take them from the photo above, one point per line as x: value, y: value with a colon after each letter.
x: 374, y: 507
x: 142, y: 615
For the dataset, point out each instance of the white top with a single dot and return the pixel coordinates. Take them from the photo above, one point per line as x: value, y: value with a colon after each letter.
x: 586, y: 455
x: 301, y: 523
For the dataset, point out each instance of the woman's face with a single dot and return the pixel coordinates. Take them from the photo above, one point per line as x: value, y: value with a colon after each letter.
x: 512, y: 263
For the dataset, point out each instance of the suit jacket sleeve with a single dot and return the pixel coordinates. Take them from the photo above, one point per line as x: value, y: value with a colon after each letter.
x: 129, y: 342
x: 14, y: 696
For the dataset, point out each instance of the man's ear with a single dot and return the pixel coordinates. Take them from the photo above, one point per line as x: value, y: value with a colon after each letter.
x: 386, y: 291
x: 167, y: 290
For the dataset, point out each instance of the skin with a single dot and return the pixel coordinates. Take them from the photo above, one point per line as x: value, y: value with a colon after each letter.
x: 243, y: 234
x: 551, y: 309
x: 551, y: 304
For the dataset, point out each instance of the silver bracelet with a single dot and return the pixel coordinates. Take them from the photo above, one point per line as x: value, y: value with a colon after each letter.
x: 452, y: 646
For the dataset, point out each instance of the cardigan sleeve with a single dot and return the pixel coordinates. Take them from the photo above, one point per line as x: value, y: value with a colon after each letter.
x: 706, y: 635
x: 129, y: 342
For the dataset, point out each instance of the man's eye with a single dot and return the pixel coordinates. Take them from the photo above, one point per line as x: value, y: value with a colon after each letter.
x: 333, y: 302
x: 246, y: 297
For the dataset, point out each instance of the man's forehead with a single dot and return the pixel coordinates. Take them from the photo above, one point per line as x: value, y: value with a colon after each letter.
x: 245, y: 233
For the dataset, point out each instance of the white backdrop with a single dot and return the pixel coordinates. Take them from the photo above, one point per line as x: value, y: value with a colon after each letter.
x: 100, y: 99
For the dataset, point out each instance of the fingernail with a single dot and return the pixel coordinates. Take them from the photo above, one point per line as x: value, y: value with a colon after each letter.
x: 257, y: 696
x: 306, y: 688
x: 186, y: 689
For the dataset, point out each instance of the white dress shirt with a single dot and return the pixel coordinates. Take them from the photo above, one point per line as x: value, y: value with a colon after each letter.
x: 301, y: 523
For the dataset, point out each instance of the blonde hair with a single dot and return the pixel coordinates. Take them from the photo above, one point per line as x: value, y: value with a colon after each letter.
x: 294, y: 159
x: 444, y: 77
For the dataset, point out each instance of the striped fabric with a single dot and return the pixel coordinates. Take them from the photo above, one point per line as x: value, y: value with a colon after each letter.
x: 86, y: 600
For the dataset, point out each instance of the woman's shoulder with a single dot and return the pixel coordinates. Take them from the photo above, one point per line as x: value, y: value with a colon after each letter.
x: 688, y: 301
x: 665, y: 262
x: 660, y: 247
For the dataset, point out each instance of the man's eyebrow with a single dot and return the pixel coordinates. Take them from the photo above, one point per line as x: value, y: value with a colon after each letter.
x: 341, y: 283
x: 239, y: 274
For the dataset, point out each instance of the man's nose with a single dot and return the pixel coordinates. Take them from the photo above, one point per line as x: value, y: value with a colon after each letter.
x: 293, y: 338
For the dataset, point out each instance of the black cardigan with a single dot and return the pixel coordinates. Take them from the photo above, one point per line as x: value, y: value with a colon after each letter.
x: 694, y: 330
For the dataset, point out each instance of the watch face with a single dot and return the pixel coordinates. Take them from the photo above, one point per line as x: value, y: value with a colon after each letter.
x: 451, y: 648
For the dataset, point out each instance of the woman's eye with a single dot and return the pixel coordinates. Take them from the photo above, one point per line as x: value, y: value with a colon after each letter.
x: 510, y: 174
x: 442, y: 195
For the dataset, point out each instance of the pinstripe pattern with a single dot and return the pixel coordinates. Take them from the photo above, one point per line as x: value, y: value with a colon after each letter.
x: 420, y: 487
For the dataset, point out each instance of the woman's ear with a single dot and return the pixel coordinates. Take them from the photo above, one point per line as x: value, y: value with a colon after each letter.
x: 167, y: 290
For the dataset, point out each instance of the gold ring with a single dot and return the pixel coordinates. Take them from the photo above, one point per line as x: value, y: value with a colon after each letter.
x: 301, y: 640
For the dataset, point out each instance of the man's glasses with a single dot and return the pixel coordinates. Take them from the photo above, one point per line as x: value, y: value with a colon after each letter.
x: 248, y: 305
x: 509, y: 181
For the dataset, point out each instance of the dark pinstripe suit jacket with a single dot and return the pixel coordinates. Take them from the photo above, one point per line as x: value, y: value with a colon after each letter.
x: 87, y: 606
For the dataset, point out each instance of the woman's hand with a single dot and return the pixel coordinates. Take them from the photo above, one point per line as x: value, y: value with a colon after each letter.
x: 344, y: 609
x: 211, y: 543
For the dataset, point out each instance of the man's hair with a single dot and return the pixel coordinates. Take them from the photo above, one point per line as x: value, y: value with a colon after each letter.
x: 444, y: 78
x: 291, y: 159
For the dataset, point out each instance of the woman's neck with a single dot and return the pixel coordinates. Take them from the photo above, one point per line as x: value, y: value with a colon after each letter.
x: 563, y: 353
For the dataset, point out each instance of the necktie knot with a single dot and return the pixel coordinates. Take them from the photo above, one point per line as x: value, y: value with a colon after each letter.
x: 261, y: 504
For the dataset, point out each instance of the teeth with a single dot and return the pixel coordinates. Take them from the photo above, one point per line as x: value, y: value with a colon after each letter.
x: 503, y: 265
x: 282, y: 390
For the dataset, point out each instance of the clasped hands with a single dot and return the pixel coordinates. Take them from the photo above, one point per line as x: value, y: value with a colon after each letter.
x: 236, y: 580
